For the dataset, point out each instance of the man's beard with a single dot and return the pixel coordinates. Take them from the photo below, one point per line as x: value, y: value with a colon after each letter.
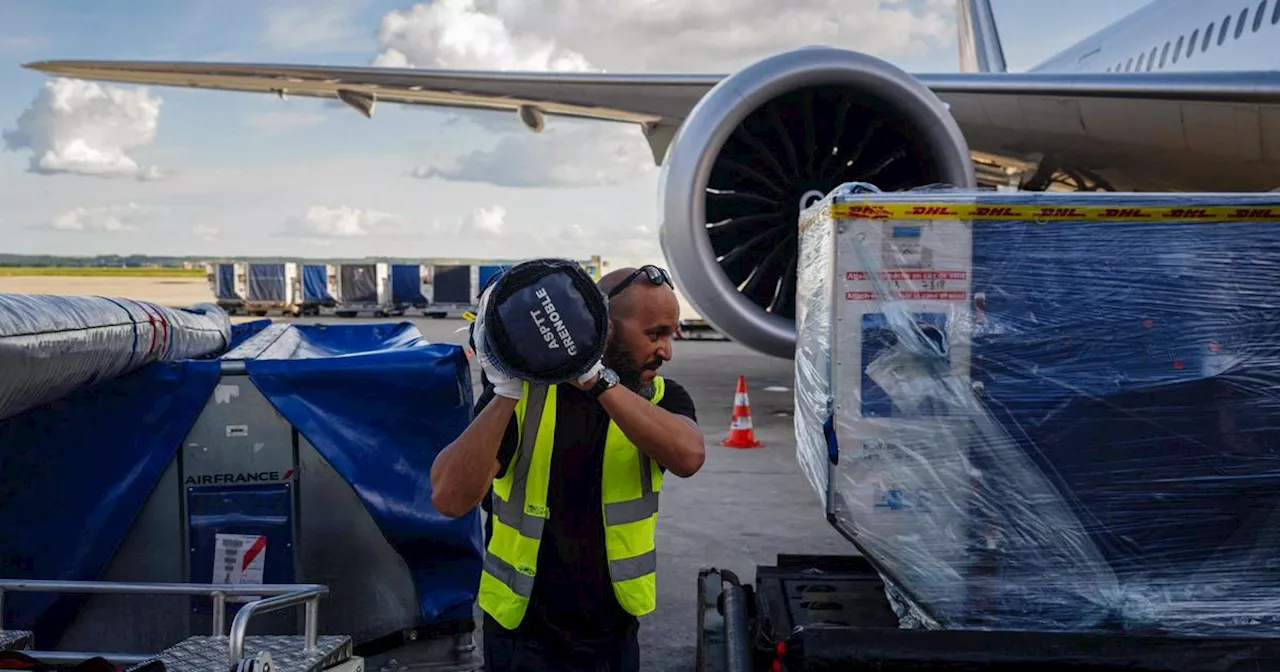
x: 621, y: 360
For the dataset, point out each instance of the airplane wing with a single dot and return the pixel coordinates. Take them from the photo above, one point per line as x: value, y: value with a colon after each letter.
x: 1154, y: 130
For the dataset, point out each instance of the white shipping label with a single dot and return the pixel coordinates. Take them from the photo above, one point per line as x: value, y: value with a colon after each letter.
x: 239, y: 559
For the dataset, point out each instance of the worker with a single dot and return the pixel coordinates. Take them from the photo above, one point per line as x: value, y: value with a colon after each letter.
x: 565, y: 578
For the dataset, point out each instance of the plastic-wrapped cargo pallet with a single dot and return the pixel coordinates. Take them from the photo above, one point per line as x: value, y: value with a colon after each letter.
x: 1049, y: 411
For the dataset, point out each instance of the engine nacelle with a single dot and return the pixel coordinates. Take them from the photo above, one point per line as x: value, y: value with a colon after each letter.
x: 770, y: 140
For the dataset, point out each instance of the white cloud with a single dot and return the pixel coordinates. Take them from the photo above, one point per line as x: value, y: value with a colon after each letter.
x: 84, y: 128
x: 324, y: 222
x: 488, y: 220
x: 105, y: 219
x: 205, y: 232
x: 456, y: 34
x: 721, y: 35
x: 568, y: 154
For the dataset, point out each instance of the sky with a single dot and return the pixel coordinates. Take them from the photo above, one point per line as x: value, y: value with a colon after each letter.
x: 89, y: 168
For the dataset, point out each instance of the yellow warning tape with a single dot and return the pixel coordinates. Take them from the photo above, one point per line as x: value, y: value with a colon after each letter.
x: 1214, y: 213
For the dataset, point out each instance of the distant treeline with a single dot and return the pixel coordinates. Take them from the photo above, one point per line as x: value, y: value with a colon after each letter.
x: 101, y: 261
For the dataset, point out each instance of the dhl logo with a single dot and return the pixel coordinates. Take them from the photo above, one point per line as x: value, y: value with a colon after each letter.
x: 994, y: 211
x: 862, y: 211
x: 973, y: 211
x: 933, y: 211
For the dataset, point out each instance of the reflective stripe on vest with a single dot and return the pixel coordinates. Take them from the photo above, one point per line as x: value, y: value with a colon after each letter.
x: 630, y: 485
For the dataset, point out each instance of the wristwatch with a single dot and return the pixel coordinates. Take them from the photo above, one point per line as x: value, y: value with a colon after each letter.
x: 607, y: 379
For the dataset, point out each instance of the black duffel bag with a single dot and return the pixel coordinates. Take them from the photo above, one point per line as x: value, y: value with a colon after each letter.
x: 545, y: 321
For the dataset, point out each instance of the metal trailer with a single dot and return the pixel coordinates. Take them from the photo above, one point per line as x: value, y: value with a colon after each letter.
x: 227, y: 283
x: 272, y: 287
x: 313, y: 289
x: 410, y: 287
x: 361, y: 288
x: 242, y: 479
x: 455, y: 289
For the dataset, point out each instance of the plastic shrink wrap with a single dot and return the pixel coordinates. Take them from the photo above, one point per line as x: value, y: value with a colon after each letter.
x: 1049, y: 411
x: 51, y: 345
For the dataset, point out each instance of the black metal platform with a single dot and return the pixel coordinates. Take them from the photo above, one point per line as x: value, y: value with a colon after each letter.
x: 822, y: 614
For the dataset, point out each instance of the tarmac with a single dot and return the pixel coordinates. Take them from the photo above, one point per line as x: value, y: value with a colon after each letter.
x: 743, y: 508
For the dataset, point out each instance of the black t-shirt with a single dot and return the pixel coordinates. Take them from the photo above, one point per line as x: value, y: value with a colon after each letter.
x: 573, y: 600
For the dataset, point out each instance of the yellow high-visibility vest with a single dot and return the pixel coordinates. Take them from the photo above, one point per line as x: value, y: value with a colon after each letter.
x: 630, y: 485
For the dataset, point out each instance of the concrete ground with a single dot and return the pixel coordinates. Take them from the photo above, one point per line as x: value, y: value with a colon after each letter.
x: 742, y: 509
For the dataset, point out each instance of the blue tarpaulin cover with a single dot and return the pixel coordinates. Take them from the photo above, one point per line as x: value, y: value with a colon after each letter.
x: 227, y: 281
x: 266, y: 282
x: 75, y: 472
x: 406, y: 284
x: 486, y: 273
x: 315, y: 284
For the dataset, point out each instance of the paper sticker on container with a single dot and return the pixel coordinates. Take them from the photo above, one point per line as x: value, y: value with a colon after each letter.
x: 239, y: 559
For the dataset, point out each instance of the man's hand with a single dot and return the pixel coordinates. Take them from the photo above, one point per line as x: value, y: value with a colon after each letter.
x: 675, y: 441
x: 587, y: 380
x: 503, y: 385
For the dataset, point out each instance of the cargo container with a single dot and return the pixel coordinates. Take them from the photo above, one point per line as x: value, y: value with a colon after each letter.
x: 454, y: 289
x: 217, y: 484
x: 362, y: 288
x: 227, y: 283
x: 487, y: 272
x: 313, y: 287
x: 410, y: 286
x: 271, y: 287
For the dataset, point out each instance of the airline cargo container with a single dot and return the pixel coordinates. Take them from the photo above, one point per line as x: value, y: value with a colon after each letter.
x: 227, y: 282
x: 454, y: 289
x: 219, y: 484
x: 410, y: 286
x: 361, y: 287
x: 487, y: 273
x: 271, y: 287
x: 313, y: 287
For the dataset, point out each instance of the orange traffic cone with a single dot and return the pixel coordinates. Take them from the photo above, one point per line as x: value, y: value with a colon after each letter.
x: 741, y: 435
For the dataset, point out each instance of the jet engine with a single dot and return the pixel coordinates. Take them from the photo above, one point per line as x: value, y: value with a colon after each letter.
x: 770, y: 140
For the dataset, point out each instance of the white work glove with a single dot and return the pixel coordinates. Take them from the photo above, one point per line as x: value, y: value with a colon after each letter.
x: 503, y: 385
x: 586, y: 378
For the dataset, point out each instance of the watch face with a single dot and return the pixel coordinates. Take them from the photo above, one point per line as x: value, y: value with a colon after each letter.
x: 610, y: 376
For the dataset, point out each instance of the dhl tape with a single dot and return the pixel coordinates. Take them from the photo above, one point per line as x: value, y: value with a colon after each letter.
x: 977, y: 211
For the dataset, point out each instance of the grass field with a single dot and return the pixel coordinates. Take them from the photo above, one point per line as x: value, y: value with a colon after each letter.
x: 96, y: 271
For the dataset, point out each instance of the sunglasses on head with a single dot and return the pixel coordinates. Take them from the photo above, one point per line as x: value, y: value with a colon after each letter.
x: 655, y: 276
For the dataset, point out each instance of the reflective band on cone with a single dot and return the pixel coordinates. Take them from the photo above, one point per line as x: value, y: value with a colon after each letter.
x: 741, y: 434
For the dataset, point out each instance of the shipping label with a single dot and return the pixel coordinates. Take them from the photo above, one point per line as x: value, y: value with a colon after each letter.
x: 239, y: 559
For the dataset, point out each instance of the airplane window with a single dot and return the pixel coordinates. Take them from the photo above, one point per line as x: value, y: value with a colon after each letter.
x: 1177, y: 51
x: 1129, y: 66
x: 1141, y: 58
x: 1226, y: 25
x: 1257, y: 15
x: 1208, y: 34
x: 1275, y: 14
x: 1195, y: 37
x: 1151, y: 62
x: 1244, y: 16
x: 1164, y: 54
